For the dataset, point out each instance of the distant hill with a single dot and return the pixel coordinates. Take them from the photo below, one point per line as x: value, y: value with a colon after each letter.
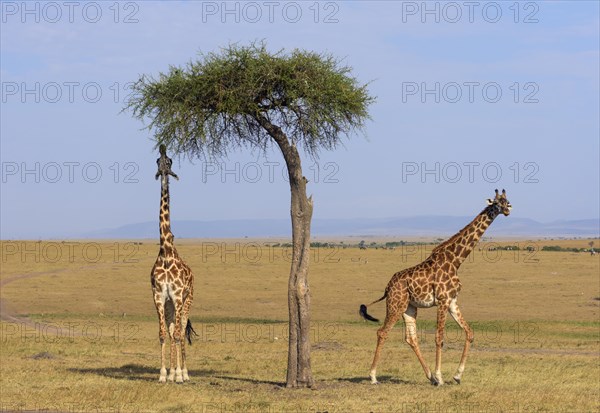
x: 397, y: 227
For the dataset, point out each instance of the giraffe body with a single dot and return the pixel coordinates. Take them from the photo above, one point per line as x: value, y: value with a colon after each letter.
x: 434, y: 282
x: 172, y: 286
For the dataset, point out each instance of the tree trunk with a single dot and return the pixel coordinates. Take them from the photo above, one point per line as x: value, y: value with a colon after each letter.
x: 299, y: 369
x: 299, y: 373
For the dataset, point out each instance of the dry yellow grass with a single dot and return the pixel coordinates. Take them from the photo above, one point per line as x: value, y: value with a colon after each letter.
x: 535, y: 317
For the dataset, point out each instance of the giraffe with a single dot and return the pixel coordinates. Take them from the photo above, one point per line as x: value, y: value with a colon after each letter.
x: 172, y: 285
x: 434, y: 282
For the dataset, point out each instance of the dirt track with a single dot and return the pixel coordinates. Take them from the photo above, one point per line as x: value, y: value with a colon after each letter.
x: 7, y: 312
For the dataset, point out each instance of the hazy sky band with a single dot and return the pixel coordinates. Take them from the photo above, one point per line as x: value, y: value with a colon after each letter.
x: 472, y: 96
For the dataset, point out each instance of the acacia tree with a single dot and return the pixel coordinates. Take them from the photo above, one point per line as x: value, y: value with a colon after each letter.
x: 246, y: 97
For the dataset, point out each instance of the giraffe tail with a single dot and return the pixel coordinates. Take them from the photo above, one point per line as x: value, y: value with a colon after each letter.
x: 189, y: 330
x: 363, y: 310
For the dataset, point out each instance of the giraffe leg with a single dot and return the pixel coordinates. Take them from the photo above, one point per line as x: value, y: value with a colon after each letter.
x: 436, y: 379
x: 178, y: 336
x: 184, y: 370
x: 170, y: 323
x: 163, y: 367
x: 162, y: 334
x: 172, y: 351
x: 393, y: 310
x: 456, y: 314
x: 410, y: 323
x: 184, y: 320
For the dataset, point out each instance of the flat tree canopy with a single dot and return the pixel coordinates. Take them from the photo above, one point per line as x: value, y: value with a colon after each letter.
x: 248, y: 97
x: 214, y: 104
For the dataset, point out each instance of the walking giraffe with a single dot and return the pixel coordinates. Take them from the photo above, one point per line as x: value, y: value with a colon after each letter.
x: 434, y: 282
x: 172, y: 285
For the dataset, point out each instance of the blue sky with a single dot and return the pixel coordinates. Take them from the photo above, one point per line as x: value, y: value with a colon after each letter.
x: 503, y: 95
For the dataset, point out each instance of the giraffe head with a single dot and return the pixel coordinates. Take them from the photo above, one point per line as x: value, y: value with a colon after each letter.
x: 164, y: 165
x: 500, y: 204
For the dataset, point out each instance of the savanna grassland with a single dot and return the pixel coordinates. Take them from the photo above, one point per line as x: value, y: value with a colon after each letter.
x: 80, y: 332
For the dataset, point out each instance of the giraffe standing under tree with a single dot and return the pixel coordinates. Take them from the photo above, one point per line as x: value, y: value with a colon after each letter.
x: 434, y: 282
x: 172, y: 285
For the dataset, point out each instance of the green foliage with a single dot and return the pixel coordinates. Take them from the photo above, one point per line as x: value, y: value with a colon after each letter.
x: 321, y: 245
x: 213, y: 104
x: 562, y: 249
x: 394, y: 244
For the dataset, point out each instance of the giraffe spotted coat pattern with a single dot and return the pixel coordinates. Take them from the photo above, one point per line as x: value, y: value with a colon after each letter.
x: 434, y: 282
x: 172, y: 286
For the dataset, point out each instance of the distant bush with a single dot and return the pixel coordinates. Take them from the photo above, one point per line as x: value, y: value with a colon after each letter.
x: 561, y: 249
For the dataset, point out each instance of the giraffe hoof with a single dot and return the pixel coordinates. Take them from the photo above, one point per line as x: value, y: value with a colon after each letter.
x: 435, y: 381
x: 457, y: 380
x: 163, y: 376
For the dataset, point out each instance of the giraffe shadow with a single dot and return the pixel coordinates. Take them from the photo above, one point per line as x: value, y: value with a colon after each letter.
x: 277, y: 384
x: 135, y: 372
x: 367, y: 380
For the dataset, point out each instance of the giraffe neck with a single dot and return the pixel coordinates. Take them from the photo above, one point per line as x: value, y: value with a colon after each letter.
x: 462, y: 243
x: 166, y: 236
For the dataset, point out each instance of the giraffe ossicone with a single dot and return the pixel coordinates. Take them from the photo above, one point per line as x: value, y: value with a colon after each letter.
x: 172, y: 286
x: 434, y: 282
